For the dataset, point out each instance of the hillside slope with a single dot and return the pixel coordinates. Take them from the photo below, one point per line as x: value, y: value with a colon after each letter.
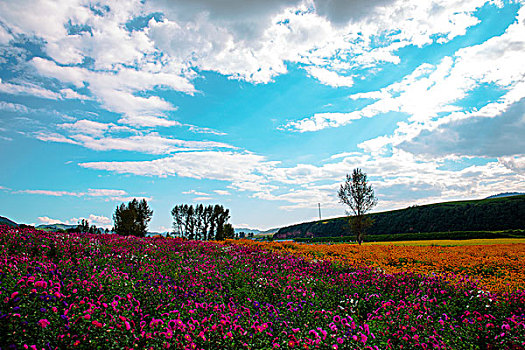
x: 55, y: 227
x: 475, y: 215
x: 6, y: 221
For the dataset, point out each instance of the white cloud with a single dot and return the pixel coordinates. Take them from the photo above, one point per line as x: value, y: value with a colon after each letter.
x: 13, y: 107
x: 48, y: 221
x: 242, y: 169
x: 514, y: 163
x: 431, y: 91
x: 88, y: 127
x: 202, y: 130
x: 321, y: 121
x: 147, y: 120
x: 197, y: 193
x: 222, y: 192
x: 400, y: 175
x: 248, y: 40
x: 54, y: 137
x: 5, y: 37
x: 329, y: 77
x: 105, y: 194
x: 28, y: 89
x: 97, y: 220
x: 72, y: 94
x: 51, y: 193
x: 100, y: 136
x: 117, y: 90
x: 202, y: 199
x: 254, y: 41
x: 151, y: 143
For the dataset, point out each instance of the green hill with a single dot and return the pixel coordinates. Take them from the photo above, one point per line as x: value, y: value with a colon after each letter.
x: 505, y: 213
x: 6, y: 221
x: 55, y: 227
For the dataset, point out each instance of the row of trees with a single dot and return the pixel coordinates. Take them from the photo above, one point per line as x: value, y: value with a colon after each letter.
x: 84, y: 227
x: 202, y: 222
x: 211, y: 222
x: 192, y: 222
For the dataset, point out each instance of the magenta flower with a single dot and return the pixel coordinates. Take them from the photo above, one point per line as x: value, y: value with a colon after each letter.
x: 44, y: 323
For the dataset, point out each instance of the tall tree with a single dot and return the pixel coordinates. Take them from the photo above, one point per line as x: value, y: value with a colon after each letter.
x: 83, y: 226
x: 221, y: 216
x: 133, y: 218
x: 177, y: 214
x: 357, y: 194
x: 201, y: 222
x: 206, y: 220
x: 229, y: 231
x: 199, y: 213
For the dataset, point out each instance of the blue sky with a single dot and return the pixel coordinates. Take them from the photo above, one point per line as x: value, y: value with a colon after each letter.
x: 261, y: 106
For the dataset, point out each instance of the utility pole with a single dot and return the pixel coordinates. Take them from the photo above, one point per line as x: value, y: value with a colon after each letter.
x: 319, y: 205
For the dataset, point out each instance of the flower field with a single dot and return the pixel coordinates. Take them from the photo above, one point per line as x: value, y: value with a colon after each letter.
x: 496, y: 268
x: 62, y: 291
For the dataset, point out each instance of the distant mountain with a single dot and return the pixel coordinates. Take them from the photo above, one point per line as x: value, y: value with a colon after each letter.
x: 151, y: 234
x: 506, y: 194
x: 494, y: 214
x: 257, y: 232
x: 6, y: 221
x: 55, y: 227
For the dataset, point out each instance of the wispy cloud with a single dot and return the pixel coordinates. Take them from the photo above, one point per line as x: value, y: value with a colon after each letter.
x: 28, y: 89
x: 98, y: 136
x: 222, y: 192
x: 105, y: 194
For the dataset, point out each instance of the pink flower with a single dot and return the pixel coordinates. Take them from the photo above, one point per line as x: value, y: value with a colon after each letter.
x: 97, y: 324
x: 41, y: 284
x: 14, y: 295
x: 364, y: 338
x: 44, y: 323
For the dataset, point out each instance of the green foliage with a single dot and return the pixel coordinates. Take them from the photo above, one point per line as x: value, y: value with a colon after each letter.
x: 201, y: 222
x: 423, y: 236
x: 83, y: 225
x: 229, y: 232
x: 133, y: 218
x: 359, y: 196
x: 496, y: 214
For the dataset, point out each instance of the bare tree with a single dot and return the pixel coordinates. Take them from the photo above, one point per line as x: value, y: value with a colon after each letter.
x: 359, y: 196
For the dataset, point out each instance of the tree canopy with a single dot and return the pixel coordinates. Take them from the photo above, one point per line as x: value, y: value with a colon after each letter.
x: 201, y: 222
x: 133, y: 218
x: 359, y: 196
